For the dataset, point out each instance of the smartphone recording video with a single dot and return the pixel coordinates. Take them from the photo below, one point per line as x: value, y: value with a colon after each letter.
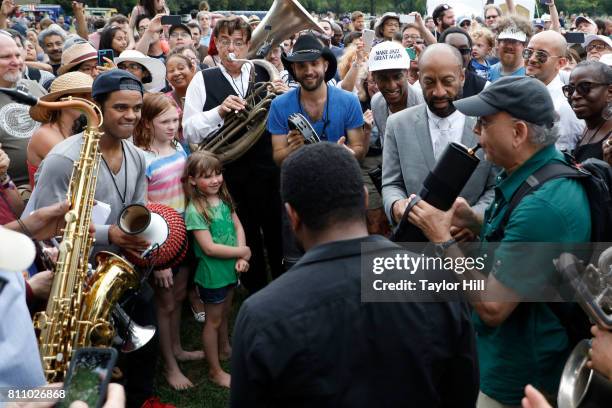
x: 368, y: 39
x: 110, y: 54
x: 88, y: 376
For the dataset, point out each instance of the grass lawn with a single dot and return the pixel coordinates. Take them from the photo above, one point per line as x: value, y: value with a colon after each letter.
x: 205, y: 393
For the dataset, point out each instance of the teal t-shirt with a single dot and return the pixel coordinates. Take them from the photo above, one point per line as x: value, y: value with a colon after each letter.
x: 531, y: 345
x: 213, y: 273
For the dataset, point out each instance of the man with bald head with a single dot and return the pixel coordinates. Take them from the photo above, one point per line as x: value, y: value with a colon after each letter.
x: 461, y: 40
x: 544, y: 57
x: 416, y: 137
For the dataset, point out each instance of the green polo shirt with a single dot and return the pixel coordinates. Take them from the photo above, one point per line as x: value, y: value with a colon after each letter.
x: 531, y: 345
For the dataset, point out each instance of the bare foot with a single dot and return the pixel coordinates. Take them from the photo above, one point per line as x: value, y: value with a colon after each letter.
x: 177, y: 380
x: 189, y: 355
x: 225, y: 353
x: 220, y: 378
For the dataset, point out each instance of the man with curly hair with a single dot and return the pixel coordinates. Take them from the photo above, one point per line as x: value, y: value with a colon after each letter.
x: 514, y: 33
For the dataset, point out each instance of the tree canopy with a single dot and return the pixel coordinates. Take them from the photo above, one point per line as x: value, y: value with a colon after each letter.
x: 591, y: 7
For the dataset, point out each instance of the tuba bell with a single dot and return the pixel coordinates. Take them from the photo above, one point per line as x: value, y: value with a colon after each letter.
x: 242, y: 129
x: 581, y: 386
x: 285, y: 18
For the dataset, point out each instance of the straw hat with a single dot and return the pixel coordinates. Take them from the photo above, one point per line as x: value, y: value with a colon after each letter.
x: 74, y: 55
x: 68, y: 84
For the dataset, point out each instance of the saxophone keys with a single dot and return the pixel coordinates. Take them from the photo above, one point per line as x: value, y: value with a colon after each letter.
x: 66, y: 246
x: 70, y: 216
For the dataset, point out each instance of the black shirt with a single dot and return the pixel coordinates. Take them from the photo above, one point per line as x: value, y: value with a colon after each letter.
x: 473, y: 84
x: 307, y: 340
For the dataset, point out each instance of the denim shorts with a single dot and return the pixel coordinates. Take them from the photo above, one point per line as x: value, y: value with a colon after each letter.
x: 214, y: 296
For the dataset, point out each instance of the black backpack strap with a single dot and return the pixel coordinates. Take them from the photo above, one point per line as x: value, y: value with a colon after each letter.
x: 550, y: 171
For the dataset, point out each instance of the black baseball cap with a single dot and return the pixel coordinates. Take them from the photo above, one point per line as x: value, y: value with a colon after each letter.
x: 438, y: 11
x: 524, y: 98
x: 115, y: 80
x: 176, y: 26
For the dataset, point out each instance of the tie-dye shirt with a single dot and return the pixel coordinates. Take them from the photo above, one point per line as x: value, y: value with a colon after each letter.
x: 164, y: 178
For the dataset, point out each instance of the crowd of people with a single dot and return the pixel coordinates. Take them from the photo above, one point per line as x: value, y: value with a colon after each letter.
x: 286, y: 221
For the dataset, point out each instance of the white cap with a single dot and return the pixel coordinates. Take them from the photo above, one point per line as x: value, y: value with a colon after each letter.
x: 16, y: 251
x: 512, y: 33
x: 583, y: 18
x: 388, y: 55
x: 592, y: 37
x: 606, y: 59
x: 545, y: 18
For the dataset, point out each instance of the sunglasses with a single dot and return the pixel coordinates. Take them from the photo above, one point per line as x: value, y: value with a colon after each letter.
x: 583, y: 88
x: 541, y: 56
x: 464, y: 51
x: 598, y: 47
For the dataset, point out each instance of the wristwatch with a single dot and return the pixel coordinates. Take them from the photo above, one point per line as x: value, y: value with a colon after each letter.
x: 5, y: 181
x: 440, y: 248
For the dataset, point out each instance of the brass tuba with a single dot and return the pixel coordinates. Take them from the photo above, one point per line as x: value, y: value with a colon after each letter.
x: 78, y: 312
x: 284, y: 19
x: 242, y: 129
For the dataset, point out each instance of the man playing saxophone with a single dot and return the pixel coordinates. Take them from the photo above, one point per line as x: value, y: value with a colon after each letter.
x: 121, y: 177
x: 253, y: 179
x: 120, y: 182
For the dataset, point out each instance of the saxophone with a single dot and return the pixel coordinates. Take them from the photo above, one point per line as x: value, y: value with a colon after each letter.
x: 79, y: 307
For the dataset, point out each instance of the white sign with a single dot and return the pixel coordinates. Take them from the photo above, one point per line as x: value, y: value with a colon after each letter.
x: 388, y: 54
x: 475, y: 7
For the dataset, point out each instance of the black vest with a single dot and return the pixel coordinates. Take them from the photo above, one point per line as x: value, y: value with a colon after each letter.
x: 259, y: 156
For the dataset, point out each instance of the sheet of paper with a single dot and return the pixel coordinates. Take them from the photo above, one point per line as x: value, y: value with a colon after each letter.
x: 100, y: 213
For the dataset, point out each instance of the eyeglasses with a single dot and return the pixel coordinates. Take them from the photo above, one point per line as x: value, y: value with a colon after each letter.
x: 226, y: 43
x: 412, y: 37
x: 176, y: 35
x: 130, y: 66
x: 541, y: 56
x: 583, y: 88
x: 464, y: 51
x: 483, y: 124
x: 491, y: 17
x: 597, y: 47
x: 144, y: 28
x: 87, y: 69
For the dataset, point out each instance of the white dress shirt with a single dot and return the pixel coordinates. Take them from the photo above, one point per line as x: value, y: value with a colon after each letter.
x: 571, y: 128
x: 444, y: 130
x: 197, y: 125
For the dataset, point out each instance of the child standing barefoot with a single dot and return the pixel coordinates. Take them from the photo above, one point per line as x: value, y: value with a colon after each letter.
x: 221, y: 252
x: 156, y: 134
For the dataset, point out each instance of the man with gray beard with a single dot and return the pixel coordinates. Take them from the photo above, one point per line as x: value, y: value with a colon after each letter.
x: 16, y: 125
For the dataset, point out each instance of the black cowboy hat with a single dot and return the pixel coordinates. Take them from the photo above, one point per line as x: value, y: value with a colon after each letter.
x: 309, y: 48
